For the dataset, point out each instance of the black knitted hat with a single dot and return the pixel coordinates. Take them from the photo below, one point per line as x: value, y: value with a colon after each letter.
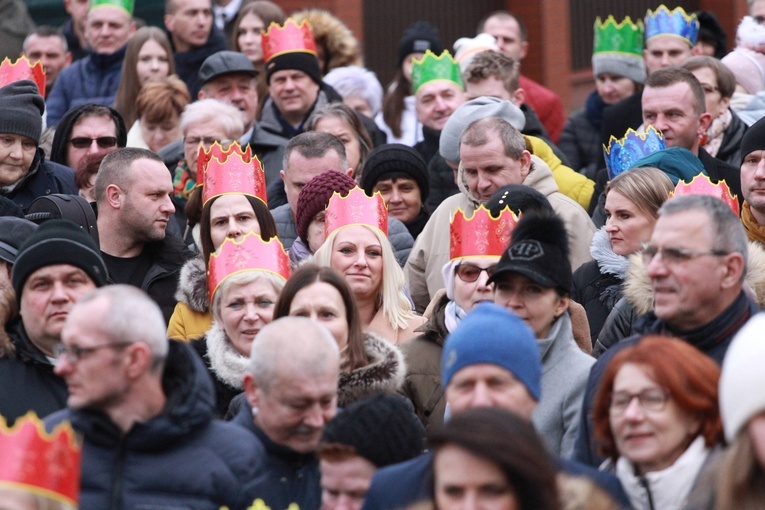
x: 58, y: 242
x: 382, y: 428
x: 418, y: 38
x: 754, y: 139
x: 315, y: 195
x: 300, y: 60
x: 519, y: 198
x: 21, y: 109
x: 395, y: 158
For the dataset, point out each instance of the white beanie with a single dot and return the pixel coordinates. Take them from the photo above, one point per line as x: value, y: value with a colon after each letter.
x: 743, y: 377
x: 466, y: 48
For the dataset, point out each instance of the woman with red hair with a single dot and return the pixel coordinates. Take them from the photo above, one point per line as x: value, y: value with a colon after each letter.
x: 657, y: 419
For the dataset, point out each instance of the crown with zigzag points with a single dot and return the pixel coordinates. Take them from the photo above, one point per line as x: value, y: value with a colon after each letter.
x: 289, y: 38
x: 481, y: 235
x: 675, y: 23
x: 356, y: 208
x: 125, y: 5
x: 22, y: 69
x: 38, y: 462
x: 625, y: 37
x: 702, y: 185
x: 225, y: 171
x: 431, y: 68
x: 622, y: 153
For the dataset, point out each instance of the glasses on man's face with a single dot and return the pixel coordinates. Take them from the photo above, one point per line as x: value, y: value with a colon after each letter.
x: 653, y: 399
x: 674, y: 256
x: 104, y: 142
x: 206, y: 142
x: 469, y: 273
x: 74, y: 353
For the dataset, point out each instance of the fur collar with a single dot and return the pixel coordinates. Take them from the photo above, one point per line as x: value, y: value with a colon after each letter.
x: 384, y: 373
x: 192, y: 285
x: 608, y: 261
x: 226, y: 363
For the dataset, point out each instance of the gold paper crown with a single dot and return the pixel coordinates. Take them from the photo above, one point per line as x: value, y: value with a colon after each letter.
x: 226, y: 171
x: 482, y: 234
x: 22, y: 69
x: 702, y: 185
x: 248, y: 253
x: 38, y: 462
x: 356, y: 208
x: 287, y: 39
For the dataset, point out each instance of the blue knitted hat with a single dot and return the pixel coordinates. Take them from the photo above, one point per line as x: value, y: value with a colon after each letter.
x: 492, y: 334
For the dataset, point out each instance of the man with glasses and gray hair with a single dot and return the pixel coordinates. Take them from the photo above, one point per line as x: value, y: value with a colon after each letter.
x: 695, y: 263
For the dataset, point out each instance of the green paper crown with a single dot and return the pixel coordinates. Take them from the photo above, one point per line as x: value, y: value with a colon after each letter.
x: 623, y: 37
x: 125, y: 5
x: 431, y: 67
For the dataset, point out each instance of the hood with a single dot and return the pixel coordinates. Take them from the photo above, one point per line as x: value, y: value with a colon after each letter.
x: 385, y: 372
x: 192, y: 285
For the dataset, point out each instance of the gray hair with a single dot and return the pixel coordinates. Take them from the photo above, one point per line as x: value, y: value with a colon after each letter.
x: 243, y: 278
x: 357, y: 81
x: 314, y: 144
x: 115, y: 169
x: 207, y: 110
x: 46, y: 31
x: 478, y: 133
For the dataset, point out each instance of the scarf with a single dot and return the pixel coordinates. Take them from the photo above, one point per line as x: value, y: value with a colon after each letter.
x: 713, y: 138
x: 593, y: 109
x: 453, y: 315
x: 754, y: 231
x: 183, y: 182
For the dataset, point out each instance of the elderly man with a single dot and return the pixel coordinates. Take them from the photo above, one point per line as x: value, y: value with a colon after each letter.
x: 88, y: 129
x: 57, y: 265
x: 291, y: 392
x: 48, y: 45
x: 696, y: 263
x: 145, y: 408
x: 753, y: 182
x: 95, y: 78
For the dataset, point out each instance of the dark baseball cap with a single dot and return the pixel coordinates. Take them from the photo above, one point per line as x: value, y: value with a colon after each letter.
x: 225, y: 62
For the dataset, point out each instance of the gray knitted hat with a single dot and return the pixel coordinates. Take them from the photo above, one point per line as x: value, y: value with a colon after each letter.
x: 625, y: 65
x: 21, y: 109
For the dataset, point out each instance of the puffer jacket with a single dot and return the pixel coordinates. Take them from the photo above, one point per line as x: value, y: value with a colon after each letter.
x: 580, y: 141
x: 191, y: 317
x: 570, y: 183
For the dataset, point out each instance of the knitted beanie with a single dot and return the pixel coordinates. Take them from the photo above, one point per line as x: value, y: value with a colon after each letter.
x: 58, y: 242
x: 395, y: 158
x: 519, y: 198
x: 491, y: 334
x: 466, y: 48
x: 382, y: 428
x: 748, y: 67
x: 678, y: 163
x: 754, y: 139
x: 299, y: 60
x: 21, y: 109
x: 742, y: 378
x: 13, y: 232
x: 315, y: 195
x: 418, y: 38
x: 626, y: 65
x: 478, y: 108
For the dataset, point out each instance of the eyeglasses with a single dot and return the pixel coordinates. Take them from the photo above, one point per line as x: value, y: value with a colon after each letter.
x: 469, y: 273
x: 74, y: 353
x: 653, y: 399
x: 205, y: 141
x: 674, y: 256
x: 104, y: 142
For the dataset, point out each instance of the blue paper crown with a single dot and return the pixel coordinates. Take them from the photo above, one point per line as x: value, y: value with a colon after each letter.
x: 662, y: 21
x: 621, y: 154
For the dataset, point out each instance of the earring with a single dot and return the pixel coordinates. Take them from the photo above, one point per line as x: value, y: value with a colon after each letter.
x: 255, y: 411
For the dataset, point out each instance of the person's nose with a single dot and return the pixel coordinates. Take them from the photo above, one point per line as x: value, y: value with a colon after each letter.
x: 58, y: 292
x: 759, y: 173
x: 481, y: 396
x: 656, y: 267
x: 395, y: 197
x: 167, y: 205
x: 634, y: 411
x: 251, y: 312
x: 63, y: 365
x: 314, y: 417
x: 611, y: 225
x: 234, y: 229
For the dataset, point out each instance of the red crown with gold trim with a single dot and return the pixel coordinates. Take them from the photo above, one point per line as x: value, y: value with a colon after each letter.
x: 248, y: 253
x: 702, y: 185
x: 482, y: 234
x: 225, y: 171
x: 22, y: 69
x: 287, y: 39
x: 356, y: 208
x: 42, y: 463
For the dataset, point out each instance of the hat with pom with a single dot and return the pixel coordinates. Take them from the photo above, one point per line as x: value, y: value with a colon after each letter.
x: 315, y: 195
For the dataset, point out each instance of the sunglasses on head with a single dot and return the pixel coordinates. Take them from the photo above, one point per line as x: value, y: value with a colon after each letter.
x: 104, y: 142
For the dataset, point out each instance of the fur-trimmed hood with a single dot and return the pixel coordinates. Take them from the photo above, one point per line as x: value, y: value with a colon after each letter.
x: 192, y: 285
x: 228, y: 364
x: 385, y: 372
x: 341, y: 47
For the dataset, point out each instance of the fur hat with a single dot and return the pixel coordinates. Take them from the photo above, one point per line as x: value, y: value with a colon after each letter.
x: 418, y: 38
x: 21, y: 109
x: 395, y: 158
x: 315, y: 195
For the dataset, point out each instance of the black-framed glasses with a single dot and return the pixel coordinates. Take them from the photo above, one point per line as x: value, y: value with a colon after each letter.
x: 469, y: 273
x: 74, y: 353
x: 676, y: 255
x: 104, y: 142
x: 653, y: 399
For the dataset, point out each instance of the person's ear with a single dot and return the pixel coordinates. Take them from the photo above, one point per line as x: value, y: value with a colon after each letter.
x: 519, y: 97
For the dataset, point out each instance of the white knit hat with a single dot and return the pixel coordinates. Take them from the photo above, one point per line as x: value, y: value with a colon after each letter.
x: 743, y: 377
x: 466, y: 48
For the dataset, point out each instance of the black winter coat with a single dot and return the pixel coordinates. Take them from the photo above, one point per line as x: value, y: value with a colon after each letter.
x: 44, y: 178
x: 596, y: 293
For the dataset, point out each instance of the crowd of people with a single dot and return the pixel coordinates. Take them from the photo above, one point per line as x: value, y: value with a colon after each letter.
x: 236, y: 272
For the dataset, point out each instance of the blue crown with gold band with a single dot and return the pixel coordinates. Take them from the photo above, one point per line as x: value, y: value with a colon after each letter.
x: 622, y: 153
x: 676, y: 23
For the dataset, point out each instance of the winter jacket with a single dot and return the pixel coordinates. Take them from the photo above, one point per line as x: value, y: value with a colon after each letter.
x: 272, y: 121
x: 546, y: 104
x: 428, y: 147
x: 730, y: 148
x: 72, y: 41
x: 719, y: 170
x: 431, y: 251
x: 181, y: 458
x: 94, y: 79
x: 580, y: 141
x: 43, y: 178
x: 187, y: 63
x: 620, y: 117
x: 570, y: 183
x: 225, y: 365
x: 441, y: 182
x: 384, y: 373
x: 192, y: 317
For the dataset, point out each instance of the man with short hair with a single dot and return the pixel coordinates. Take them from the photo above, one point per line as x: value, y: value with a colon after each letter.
x: 95, y: 79
x: 57, y: 265
x: 145, y: 407
x: 73, y: 28
x: 291, y: 395
x: 48, y: 46
x: 88, y: 129
x: 753, y: 182
x: 133, y: 190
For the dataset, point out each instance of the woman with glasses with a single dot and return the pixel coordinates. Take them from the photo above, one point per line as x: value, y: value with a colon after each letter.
x: 657, y: 420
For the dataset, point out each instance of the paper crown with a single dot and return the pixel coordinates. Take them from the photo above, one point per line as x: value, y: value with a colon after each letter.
x: 676, y: 23
x: 621, y: 154
x: 125, y: 5
x: 702, y: 185
x: 431, y: 68
x: 625, y: 37
x: 22, y: 69
x: 482, y: 234
x: 226, y: 171
x: 248, y: 253
x: 38, y: 462
x: 356, y: 208
x: 289, y: 38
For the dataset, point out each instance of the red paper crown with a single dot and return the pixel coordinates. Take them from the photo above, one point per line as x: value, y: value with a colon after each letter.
x: 288, y: 39
x: 356, y: 208
x: 230, y: 171
x: 702, y: 185
x: 482, y: 234
x: 248, y: 253
x: 42, y: 463
x: 22, y: 69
